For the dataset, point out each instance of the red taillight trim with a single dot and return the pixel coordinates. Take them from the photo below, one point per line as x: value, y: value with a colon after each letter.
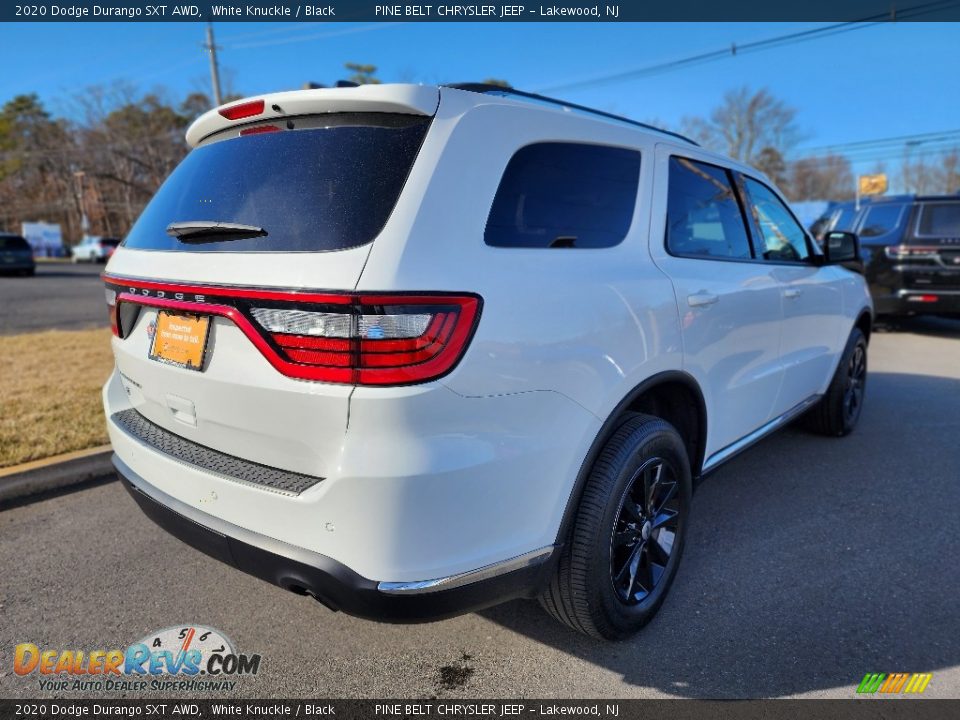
x: 243, y: 110
x: 418, y: 360
x: 290, y: 369
x: 230, y: 291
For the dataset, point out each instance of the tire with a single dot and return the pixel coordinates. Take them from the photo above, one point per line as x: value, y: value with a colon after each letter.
x: 839, y: 409
x: 613, y: 573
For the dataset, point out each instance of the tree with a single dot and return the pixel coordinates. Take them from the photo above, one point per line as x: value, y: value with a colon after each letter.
x: 362, y: 74
x: 498, y: 82
x: 770, y: 162
x: 746, y: 125
x: 821, y: 178
x: 38, y: 154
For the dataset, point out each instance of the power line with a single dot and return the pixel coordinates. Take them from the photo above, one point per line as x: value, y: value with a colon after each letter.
x: 315, y: 36
x: 755, y: 46
x: 915, y: 138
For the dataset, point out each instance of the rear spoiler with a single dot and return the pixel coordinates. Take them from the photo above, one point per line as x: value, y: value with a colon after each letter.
x: 402, y: 99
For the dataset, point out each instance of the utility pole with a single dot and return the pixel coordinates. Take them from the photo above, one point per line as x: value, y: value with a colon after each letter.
x: 211, y: 48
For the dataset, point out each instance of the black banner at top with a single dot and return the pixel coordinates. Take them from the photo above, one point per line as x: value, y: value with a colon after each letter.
x: 561, y: 11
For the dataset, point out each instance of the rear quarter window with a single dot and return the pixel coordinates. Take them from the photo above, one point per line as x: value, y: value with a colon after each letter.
x: 570, y: 195
x: 939, y: 220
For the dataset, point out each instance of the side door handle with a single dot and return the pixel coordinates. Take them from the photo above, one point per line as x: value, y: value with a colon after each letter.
x: 702, y: 298
x: 792, y: 293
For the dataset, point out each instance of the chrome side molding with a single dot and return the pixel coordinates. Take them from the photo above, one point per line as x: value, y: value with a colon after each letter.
x: 723, y: 455
x: 533, y: 557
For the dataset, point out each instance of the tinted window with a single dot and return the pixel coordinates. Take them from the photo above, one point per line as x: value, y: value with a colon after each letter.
x: 13, y: 242
x: 703, y: 215
x: 783, y: 237
x: 844, y: 218
x: 939, y: 219
x: 109, y: 242
x: 565, y: 195
x: 880, y: 220
x: 328, y: 186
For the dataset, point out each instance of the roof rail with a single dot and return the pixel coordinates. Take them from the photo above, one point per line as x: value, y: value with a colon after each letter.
x: 489, y: 89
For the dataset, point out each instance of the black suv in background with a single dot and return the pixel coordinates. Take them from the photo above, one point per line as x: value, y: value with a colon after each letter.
x: 911, y: 250
x: 16, y: 255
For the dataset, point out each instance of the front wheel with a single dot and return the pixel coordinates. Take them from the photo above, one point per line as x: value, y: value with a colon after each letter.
x: 838, y: 411
x: 623, y: 551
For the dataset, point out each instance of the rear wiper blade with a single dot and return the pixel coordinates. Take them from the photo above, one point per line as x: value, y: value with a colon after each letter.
x: 199, y: 229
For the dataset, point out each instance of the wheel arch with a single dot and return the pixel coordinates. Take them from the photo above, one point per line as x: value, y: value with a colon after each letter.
x: 865, y: 323
x: 672, y: 395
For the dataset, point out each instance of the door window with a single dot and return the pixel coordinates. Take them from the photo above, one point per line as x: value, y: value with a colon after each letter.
x: 703, y: 215
x: 880, y: 219
x: 782, y: 237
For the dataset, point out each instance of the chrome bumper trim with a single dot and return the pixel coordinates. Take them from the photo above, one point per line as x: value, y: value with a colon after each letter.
x: 446, y: 583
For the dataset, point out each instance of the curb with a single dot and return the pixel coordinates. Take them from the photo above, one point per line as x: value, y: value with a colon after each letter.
x: 53, y: 473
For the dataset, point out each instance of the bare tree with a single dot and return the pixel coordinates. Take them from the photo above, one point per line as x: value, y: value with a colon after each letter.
x: 821, y: 178
x: 748, y: 125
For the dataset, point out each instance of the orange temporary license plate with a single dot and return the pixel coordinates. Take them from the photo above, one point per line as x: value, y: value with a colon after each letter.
x: 180, y: 340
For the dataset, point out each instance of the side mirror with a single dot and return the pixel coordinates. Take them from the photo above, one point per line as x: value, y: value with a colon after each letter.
x: 842, y: 248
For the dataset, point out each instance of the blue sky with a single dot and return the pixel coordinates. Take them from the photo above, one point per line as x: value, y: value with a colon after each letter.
x: 881, y: 81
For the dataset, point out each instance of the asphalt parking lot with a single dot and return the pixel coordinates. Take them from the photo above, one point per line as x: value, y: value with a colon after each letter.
x: 60, y: 296
x: 811, y: 562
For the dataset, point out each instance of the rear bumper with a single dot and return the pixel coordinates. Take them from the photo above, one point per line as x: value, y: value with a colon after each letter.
x: 333, y: 583
x: 17, y: 266
x: 918, y: 301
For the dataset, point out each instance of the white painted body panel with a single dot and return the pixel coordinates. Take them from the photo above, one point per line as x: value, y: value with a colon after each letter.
x: 477, y: 467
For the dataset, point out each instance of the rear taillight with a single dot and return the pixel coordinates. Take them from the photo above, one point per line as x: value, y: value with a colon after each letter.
x: 123, y: 315
x: 111, y: 296
x: 375, y: 340
x: 906, y: 252
x: 360, y: 339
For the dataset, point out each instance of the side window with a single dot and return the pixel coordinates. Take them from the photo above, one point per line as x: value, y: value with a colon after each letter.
x: 703, y: 215
x: 881, y: 219
x: 939, y: 220
x: 569, y: 195
x: 783, y: 238
x: 844, y: 218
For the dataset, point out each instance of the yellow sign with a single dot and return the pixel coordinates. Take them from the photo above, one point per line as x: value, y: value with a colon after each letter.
x: 180, y: 340
x: 873, y: 184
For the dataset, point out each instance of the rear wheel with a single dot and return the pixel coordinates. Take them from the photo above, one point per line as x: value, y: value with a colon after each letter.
x: 839, y: 409
x: 627, y: 538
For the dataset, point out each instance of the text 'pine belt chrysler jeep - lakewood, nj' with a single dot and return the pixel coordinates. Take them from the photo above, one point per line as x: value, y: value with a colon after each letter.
x: 417, y: 350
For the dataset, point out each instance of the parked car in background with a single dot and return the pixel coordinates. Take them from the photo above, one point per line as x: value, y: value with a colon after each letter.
x: 16, y: 255
x: 94, y: 249
x: 911, y: 251
x: 408, y: 391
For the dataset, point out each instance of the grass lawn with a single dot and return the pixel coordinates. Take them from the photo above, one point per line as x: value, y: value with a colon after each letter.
x: 50, y: 392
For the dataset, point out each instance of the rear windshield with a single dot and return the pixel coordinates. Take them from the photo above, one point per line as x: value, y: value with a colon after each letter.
x: 939, y: 220
x: 13, y: 242
x: 328, y: 184
x: 109, y: 242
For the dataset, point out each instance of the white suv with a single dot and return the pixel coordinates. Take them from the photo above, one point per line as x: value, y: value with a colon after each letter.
x: 417, y: 350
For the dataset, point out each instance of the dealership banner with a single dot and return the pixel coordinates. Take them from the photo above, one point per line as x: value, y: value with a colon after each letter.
x: 565, y: 11
x: 437, y: 709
